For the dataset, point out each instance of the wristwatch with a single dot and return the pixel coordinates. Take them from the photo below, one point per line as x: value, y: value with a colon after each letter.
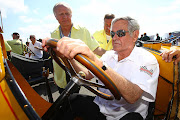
x: 104, y: 67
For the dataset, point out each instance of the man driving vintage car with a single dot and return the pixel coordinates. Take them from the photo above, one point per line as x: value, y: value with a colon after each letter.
x: 134, y: 70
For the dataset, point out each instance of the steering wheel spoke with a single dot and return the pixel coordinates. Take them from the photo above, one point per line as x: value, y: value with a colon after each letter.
x: 96, y: 70
x: 99, y: 93
x: 84, y: 82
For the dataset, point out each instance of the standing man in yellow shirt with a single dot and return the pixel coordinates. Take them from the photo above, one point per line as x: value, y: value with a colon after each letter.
x: 103, y: 36
x: 63, y: 14
x: 17, y: 46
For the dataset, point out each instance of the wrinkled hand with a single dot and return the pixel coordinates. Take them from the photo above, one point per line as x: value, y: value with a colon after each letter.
x: 168, y: 55
x: 69, y: 47
x: 44, y: 41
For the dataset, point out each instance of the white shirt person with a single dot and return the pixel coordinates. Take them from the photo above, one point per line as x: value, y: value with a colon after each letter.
x: 36, y: 47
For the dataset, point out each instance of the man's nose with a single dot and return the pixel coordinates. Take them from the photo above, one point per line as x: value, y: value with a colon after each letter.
x: 64, y: 16
x: 115, y: 36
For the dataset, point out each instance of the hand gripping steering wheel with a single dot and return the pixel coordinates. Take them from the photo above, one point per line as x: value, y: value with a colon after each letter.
x: 89, y: 64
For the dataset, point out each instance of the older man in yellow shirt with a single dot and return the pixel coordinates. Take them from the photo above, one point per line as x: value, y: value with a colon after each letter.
x: 63, y: 14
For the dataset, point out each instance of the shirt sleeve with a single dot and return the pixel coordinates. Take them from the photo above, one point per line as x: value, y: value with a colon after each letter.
x: 90, y: 41
x: 146, y: 77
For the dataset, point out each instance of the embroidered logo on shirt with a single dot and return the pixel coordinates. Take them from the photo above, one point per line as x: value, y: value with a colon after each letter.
x: 144, y: 69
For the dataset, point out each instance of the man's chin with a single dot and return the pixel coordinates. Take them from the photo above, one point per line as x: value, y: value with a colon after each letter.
x: 115, y: 48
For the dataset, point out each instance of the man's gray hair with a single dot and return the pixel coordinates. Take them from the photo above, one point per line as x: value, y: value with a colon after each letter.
x: 63, y: 4
x: 132, y: 24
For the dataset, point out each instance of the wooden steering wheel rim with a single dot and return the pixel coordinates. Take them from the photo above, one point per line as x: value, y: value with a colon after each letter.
x: 95, y: 69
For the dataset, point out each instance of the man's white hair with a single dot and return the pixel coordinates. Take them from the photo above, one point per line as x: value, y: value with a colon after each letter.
x: 62, y: 4
x: 132, y: 24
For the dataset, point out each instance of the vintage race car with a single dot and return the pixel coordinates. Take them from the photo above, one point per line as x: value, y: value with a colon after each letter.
x: 18, y: 100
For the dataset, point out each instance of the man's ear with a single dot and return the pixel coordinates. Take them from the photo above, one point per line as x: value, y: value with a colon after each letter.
x: 135, y: 35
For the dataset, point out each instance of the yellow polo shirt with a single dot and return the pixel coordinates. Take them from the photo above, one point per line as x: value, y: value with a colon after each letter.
x: 7, y: 46
x: 100, y: 36
x: 77, y: 32
x: 17, y: 46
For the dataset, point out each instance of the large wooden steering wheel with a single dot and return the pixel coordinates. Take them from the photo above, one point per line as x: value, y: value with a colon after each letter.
x: 89, y: 64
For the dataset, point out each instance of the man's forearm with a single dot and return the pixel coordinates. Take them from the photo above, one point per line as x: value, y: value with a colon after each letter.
x: 129, y: 91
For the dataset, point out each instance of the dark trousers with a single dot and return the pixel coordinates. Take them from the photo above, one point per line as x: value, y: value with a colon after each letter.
x: 132, y: 116
x: 82, y: 107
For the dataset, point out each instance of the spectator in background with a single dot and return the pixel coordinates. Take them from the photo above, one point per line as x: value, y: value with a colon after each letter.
x: 141, y: 37
x: 40, y: 40
x: 103, y: 36
x: 8, y: 47
x: 27, y: 43
x: 27, y: 50
x: 36, y: 48
x: 157, y: 37
x: 170, y: 37
x: 145, y: 37
x: 17, y: 45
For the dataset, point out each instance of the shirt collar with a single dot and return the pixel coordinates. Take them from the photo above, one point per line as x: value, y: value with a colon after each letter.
x: 133, y: 54
x: 104, y: 33
x: 75, y: 26
x: 131, y: 57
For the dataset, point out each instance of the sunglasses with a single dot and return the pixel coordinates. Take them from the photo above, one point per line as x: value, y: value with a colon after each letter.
x: 120, y: 33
